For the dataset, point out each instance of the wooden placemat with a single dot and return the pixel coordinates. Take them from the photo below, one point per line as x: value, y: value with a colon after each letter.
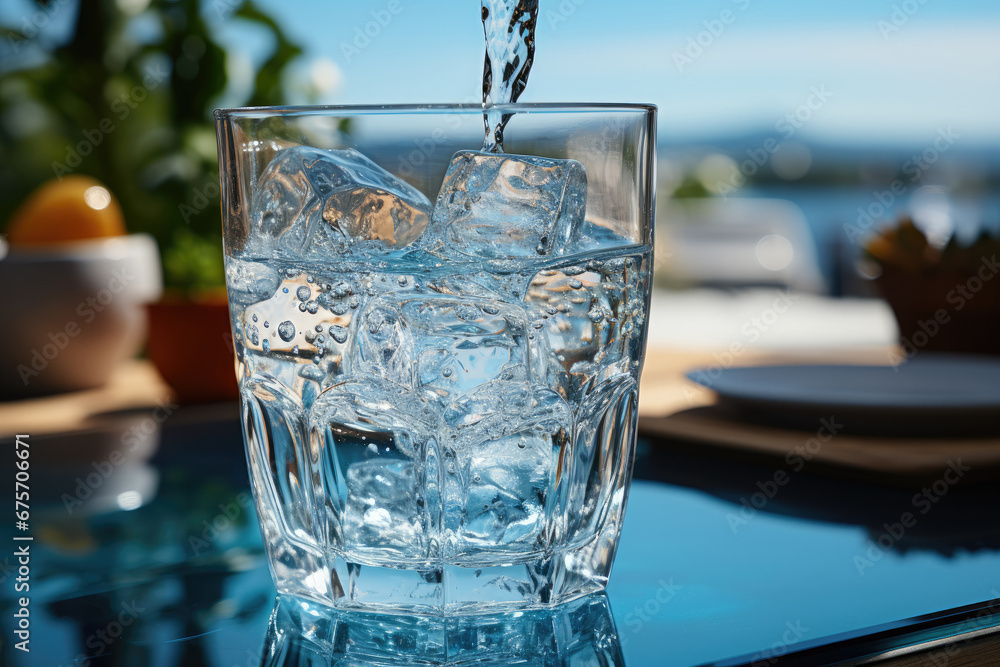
x: 675, y: 410
x: 135, y: 384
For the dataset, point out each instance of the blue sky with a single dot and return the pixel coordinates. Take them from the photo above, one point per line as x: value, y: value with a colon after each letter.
x: 896, y: 71
x: 935, y: 63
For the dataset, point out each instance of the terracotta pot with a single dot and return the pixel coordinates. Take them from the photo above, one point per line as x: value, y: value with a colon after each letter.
x: 191, y: 344
x: 944, y: 310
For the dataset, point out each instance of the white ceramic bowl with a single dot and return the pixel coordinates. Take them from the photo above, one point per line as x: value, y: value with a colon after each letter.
x: 70, y: 313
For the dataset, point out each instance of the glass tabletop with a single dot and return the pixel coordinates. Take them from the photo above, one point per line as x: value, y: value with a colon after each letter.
x: 152, y: 556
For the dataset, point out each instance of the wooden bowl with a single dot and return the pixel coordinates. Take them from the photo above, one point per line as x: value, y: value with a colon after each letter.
x: 944, y: 309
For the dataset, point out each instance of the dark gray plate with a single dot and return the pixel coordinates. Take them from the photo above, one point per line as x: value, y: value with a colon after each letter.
x: 931, y: 394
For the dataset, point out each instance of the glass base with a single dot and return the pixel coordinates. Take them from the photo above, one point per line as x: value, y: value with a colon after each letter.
x: 581, y: 632
x: 447, y: 589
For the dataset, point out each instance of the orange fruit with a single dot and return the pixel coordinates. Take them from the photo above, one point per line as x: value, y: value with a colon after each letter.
x: 75, y: 208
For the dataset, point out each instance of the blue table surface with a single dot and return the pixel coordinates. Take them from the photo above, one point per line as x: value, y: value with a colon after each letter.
x: 699, y: 578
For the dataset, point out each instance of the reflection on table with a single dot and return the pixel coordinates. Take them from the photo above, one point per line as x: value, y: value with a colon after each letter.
x: 581, y: 632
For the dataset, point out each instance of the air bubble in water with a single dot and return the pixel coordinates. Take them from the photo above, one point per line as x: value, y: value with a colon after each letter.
x: 312, y: 373
x: 286, y: 330
x: 339, y: 333
x: 354, y: 302
x: 312, y: 307
x: 466, y: 312
x: 596, y: 314
x: 303, y: 293
x: 402, y: 281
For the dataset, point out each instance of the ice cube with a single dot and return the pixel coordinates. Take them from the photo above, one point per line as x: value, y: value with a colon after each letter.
x: 506, y: 485
x: 381, y: 508
x: 310, y: 202
x: 495, y: 206
x: 581, y: 304
x: 445, y: 344
x: 366, y: 410
x: 377, y: 444
x: 250, y: 282
x: 503, y: 443
x: 499, y: 408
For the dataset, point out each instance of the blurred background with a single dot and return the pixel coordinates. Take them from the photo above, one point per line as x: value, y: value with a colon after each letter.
x: 789, y: 135
x: 828, y: 190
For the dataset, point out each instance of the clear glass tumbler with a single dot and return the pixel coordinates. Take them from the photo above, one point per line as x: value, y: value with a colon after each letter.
x: 439, y: 349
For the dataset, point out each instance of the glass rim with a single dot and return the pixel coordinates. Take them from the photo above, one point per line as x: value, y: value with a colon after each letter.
x: 417, y: 109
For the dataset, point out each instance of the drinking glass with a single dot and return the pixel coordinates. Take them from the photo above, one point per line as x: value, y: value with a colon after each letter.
x: 438, y: 349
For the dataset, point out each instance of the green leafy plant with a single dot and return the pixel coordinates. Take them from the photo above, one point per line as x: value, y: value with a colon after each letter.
x: 127, y: 98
